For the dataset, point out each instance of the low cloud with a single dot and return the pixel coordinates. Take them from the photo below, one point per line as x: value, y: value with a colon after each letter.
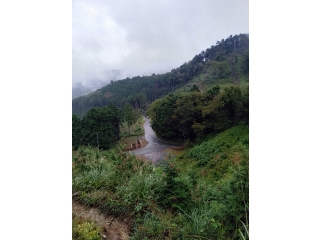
x: 113, y: 40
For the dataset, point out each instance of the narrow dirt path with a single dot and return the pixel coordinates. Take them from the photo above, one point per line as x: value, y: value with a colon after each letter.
x: 113, y: 228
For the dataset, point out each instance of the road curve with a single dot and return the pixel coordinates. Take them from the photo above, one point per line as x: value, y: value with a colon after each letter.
x: 154, y: 150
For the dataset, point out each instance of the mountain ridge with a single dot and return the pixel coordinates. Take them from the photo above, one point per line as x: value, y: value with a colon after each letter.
x: 225, y: 62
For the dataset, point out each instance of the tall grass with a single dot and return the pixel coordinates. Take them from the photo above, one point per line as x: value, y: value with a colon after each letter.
x: 141, y: 190
x: 180, y: 200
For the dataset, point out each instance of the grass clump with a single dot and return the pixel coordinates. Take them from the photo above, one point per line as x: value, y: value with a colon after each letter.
x: 85, y: 230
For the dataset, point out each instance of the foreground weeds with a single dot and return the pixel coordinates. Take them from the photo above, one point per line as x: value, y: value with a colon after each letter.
x: 180, y: 200
x: 85, y: 230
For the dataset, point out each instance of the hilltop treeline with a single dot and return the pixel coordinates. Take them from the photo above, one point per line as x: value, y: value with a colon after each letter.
x: 228, y: 60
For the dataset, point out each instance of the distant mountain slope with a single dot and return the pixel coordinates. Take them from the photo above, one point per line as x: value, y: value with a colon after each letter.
x: 79, y: 90
x: 225, y: 62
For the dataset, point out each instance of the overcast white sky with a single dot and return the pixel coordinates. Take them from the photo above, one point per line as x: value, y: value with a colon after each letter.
x: 119, y: 39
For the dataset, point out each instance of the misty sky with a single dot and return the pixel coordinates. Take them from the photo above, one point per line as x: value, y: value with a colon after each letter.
x: 119, y: 39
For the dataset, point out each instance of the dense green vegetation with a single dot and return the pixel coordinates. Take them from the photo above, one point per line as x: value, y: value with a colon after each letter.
x: 100, y: 127
x: 195, y: 114
x: 176, y: 200
x: 225, y: 62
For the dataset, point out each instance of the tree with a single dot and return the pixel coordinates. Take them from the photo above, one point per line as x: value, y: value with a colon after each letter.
x: 245, y: 64
x: 101, y: 124
x: 91, y: 127
x: 114, y: 118
x: 76, y: 132
x: 174, y: 193
x: 214, y: 91
x: 129, y: 116
x: 195, y: 88
x: 161, y: 112
x: 233, y: 104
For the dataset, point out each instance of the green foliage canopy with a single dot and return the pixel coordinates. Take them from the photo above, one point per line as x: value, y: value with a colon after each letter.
x: 99, y: 127
x: 194, y: 114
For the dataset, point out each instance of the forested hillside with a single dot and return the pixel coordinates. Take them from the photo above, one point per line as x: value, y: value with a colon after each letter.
x: 225, y: 62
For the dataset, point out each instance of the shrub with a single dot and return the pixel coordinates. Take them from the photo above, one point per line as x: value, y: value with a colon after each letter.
x: 175, y: 193
x: 84, y: 230
x: 142, y: 189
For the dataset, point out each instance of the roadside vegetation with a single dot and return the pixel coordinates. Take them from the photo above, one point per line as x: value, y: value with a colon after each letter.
x: 181, y: 199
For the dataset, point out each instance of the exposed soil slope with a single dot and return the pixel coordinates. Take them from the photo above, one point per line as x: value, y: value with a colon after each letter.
x: 113, y: 228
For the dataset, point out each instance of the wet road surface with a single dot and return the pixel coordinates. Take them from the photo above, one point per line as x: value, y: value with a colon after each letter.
x: 154, y: 151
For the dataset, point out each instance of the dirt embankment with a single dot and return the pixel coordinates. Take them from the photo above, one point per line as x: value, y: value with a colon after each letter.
x: 133, y: 142
x: 113, y: 228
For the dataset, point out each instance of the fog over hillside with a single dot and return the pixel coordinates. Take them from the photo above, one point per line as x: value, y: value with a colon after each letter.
x: 81, y: 89
x: 118, y: 39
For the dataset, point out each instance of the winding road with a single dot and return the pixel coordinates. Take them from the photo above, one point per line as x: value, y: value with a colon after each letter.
x: 154, y: 151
